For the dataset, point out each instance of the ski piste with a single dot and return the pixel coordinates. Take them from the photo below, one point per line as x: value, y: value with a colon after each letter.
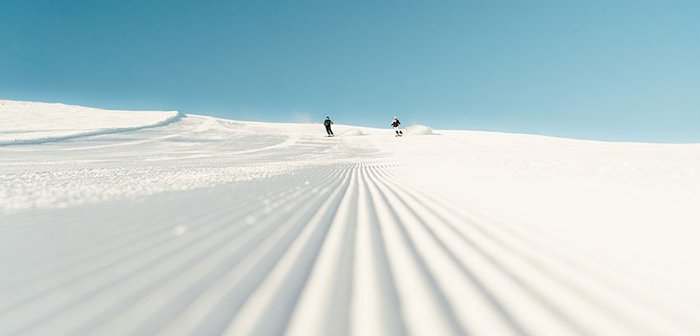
x: 281, y: 233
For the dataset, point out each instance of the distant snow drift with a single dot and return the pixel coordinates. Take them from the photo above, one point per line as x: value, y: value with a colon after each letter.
x: 33, y: 123
x: 419, y: 130
x: 155, y: 224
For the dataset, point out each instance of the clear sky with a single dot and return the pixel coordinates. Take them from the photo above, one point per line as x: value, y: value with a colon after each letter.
x: 601, y: 69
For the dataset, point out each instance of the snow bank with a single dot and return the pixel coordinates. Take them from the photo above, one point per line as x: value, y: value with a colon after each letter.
x: 34, y: 123
x: 419, y: 130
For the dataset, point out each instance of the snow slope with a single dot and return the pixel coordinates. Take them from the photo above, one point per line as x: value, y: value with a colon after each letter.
x: 206, y: 226
x: 32, y: 123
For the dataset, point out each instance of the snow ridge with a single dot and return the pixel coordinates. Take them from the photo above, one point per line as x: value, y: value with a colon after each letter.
x: 46, y: 114
x: 175, y: 117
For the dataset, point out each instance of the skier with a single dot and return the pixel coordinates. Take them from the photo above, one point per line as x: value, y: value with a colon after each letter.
x: 328, y: 124
x: 395, y: 124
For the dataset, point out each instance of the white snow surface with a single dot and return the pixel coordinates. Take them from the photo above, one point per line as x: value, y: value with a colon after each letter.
x: 32, y: 123
x: 148, y: 223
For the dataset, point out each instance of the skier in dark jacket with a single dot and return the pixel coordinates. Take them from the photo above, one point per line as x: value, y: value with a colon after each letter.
x: 395, y: 124
x: 328, y: 124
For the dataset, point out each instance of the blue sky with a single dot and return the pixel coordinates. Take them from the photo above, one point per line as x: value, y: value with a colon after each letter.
x: 610, y: 70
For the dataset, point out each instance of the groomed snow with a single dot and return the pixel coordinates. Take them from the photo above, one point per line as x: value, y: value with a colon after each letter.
x: 146, y: 223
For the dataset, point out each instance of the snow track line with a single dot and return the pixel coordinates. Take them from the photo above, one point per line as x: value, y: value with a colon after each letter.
x: 156, y: 261
x: 227, y: 255
x: 231, y: 292
x: 330, y: 283
x: 375, y: 307
x: 601, y: 280
x: 282, y: 287
x: 159, y: 231
x: 423, y: 300
x: 621, y: 314
x: 365, y: 235
x: 457, y: 295
x: 490, y: 256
